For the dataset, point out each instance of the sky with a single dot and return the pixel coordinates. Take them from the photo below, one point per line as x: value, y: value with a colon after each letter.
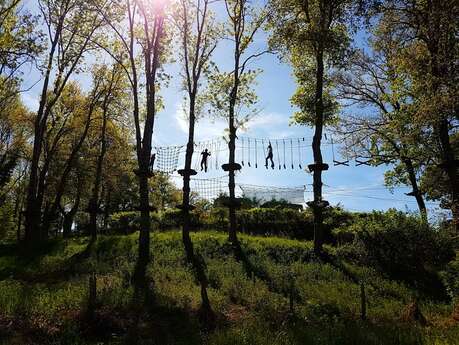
x: 356, y: 188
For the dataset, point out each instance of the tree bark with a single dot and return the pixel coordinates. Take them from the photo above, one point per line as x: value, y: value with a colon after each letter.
x: 232, y: 231
x: 94, y: 201
x: 188, y: 244
x: 416, y: 192
x: 317, y: 153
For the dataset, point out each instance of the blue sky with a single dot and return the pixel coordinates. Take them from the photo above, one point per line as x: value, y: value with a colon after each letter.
x: 355, y: 188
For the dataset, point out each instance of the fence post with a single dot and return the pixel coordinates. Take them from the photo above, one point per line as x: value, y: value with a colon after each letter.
x: 92, y: 295
x: 363, y: 302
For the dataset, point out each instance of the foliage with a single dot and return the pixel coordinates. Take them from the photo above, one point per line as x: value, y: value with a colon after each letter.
x: 254, y: 309
x: 402, y: 246
x: 121, y: 222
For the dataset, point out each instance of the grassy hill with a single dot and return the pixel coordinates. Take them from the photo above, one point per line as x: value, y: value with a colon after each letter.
x: 290, y: 297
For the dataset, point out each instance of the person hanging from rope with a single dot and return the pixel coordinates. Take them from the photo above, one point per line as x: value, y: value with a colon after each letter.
x: 270, y: 156
x: 205, y: 156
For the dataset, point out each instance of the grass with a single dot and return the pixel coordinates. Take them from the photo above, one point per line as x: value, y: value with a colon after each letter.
x: 43, y: 296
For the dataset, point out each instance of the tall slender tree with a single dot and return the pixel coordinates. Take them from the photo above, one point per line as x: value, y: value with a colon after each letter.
x: 139, y: 29
x: 71, y: 25
x: 114, y: 92
x: 197, y: 33
x: 312, y: 35
x: 232, y: 95
x: 426, y: 55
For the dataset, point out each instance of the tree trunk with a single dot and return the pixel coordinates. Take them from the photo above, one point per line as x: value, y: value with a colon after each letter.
x: 232, y: 231
x: 94, y: 201
x: 317, y: 153
x: 450, y: 167
x: 232, y: 186
x: 33, y: 207
x: 188, y: 244
x: 416, y: 192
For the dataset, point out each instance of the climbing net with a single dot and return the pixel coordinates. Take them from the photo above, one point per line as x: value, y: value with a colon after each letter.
x: 209, y: 189
x: 293, y: 195
x: 167, y: 158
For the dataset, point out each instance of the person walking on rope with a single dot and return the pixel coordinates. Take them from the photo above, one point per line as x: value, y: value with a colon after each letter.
x: 205, y: 155
x: 270, y: 156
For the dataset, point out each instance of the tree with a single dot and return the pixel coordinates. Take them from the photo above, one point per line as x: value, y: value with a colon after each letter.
x: 141, y: 35
x: 311, y: 35
x: 198, y: 38
x: 71, y: 26
x: 231, y: 92
x: 83, y: 110
x: 113, y: 100
x: 426, y: 32
x: 387, y: 134
x: 20, y: 43
x: 13, y: 137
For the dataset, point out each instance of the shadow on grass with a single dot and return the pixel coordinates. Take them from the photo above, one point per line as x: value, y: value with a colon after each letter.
x: 427, y: 284
x: 251, y: 270
x: 26, y: 258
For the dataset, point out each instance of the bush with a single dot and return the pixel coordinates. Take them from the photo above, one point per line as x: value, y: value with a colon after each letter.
x: 173, y: 218
x: 8, y: 228
x: 277, y: 221
x: 124, y: 222
x: 402, y: 246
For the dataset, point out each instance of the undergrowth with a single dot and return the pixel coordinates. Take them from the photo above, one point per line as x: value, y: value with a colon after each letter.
x: 43, y: 296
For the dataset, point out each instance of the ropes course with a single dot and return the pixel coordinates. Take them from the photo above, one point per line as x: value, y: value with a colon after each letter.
x: 277, y: 154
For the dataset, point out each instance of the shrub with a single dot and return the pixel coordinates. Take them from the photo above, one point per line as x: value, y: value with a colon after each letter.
x: 8, y: 228
x: 124, y: 222
x: 276, y: 221
x: 402, y: 246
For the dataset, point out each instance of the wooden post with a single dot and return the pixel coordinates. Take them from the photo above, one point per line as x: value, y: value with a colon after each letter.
x: 291, y: 295
x: 92, y: 295
x: 363, y: 302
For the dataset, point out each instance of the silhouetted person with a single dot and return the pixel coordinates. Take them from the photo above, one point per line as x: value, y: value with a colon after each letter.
x: 205, y: 155
x: 270, y: 157
x: 152, y: 161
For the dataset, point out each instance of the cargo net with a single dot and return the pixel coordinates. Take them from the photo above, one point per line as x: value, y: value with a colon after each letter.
x: 167, y: 158
x: 293, y: 195
x: 209, y: 189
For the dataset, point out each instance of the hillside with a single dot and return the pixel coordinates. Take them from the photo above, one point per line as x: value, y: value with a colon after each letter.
x: 289, y: 297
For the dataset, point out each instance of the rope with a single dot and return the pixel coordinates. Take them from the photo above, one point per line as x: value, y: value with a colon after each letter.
x: 300, y: 159
x: 249, y: 150
x: 283, y: 140
x: 242, y: 151
x: 256, y: 154
x: 196, y: 161
x: 291, y: 153
x: 278, y: 155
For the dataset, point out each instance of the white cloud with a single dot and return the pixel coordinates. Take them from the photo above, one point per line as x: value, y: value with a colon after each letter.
x: 267, y: 120
x: 205, y: 128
